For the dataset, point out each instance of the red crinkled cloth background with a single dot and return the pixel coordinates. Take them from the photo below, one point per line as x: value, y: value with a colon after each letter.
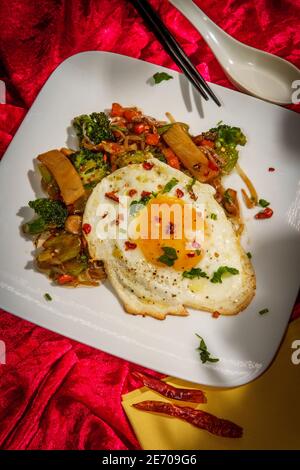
x: 56, y: 393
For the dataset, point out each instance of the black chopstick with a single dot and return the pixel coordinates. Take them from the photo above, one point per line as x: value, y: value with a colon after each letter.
x: 173, y: 48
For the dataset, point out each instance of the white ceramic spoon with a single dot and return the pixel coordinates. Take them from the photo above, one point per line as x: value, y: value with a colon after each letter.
x: 251, y: 70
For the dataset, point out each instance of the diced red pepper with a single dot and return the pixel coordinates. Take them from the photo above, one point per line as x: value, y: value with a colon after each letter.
x: 130, y: 246
x: 117, y: 110
x: 171, y: 158
x: 152, y: 139
x: 190, y: 255
x: 265, y: 214
x: 132, y: 192
x: 112, y: 195
x: 207, y: 143
x: 65, y: 279
x: 86, y: 228
x: 216, y: 314
x: 145, y: 194
x: 213, y: 166
x: 179, y: 193
x: 148, y: 166
x: 131, y: 114
x: 140, y: 128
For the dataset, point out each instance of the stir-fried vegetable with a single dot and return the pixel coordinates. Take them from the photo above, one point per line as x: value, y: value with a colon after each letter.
x: 191, y: 156
x: 94, y: 127
x: 65, y: 175
x: 224, y: 140
x: 52, y: 214
x: 91, y: 166
x: 108, y: 142
x: 128, y: 158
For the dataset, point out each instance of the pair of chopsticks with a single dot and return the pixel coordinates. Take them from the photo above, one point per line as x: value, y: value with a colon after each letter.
x: 173, y: 48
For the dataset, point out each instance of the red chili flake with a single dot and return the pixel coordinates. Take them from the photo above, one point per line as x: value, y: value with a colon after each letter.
x: 86, y: 228
x: 265, y: 214
x: 185, y: 394
x: 145, y: 194
x: 65, y: 279
x: 119, y: 219
x: 130, y: 246
x: 190, y: 255
x: 112, y: 195
x: 179, y: 193
x: 200, y: 419
x: 271, y: 168
x: 216, y: 314
x: 132, y: 192
x: 193, y: 195
x: 148, y: 165
x: 170, y: 228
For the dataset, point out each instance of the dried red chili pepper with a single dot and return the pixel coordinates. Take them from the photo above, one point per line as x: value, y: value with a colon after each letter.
x: 265, y: 214
x: 148, y: 165
x: 112, y: 195
x: 130, y: 246
x: 200, y: 419
x: 185, y: 394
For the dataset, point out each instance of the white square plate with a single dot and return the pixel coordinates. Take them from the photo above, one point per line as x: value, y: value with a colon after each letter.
x: 246, y: 343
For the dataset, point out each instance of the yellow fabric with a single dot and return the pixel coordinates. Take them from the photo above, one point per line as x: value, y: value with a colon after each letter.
x: 268, y: 409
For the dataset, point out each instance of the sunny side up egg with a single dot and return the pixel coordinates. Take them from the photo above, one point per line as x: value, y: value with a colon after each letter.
x: 160, y: 262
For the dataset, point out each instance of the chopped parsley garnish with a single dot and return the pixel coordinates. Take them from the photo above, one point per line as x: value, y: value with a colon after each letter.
x: 249, y: 255
x: 170, y: 185
x: 263, y: 203
x: 204, y: 353
x: 213, y: 216
x: 135, y: 206
x: 169, y: 256
x: 217, y: 276
x: 161, y: 76
x: 195, y: 273
x: 190, y: 185
x: 47, y: 297
x: 263, y: 311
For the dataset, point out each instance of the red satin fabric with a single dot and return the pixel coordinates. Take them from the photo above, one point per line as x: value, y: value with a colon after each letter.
x: 56, y: 393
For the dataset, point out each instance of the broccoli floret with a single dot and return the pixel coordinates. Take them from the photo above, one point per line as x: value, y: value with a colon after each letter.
x: 227, y: 138
x: 95, y: 127
x: 136, y: 156
x: 52, y: 214
x: 91, y: 166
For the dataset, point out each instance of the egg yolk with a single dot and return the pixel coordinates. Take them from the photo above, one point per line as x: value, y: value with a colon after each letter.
x: 166, y: 220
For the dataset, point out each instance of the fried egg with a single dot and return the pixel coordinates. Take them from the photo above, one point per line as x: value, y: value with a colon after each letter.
x: 166, y: 243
